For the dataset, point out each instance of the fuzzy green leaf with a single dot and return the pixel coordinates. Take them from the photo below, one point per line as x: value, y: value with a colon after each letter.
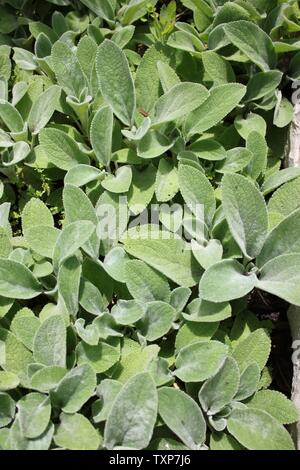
x: 226, y: 280
x: 49, y: 347
x: 75, y: 388
x: 144, y: 283
x: 255, y: 347
x: 61, y: 149
x: 101, y: 134
x: 180, y: 100
x: 276, y: 404
x: 282, y: 240
x: 253, y: 42
x: 197, y: 191
x: 188, y: 422
x: 280, y: 276
x: 256, y: 429
x: 17, y: 281
x: 75, y: 432
x: 200, y: 361
x: 246, y: 213
x: 43, y: 109
x: 115, y: 81
x: 222, y: 100
x: 168, y: 256
x: 218, y: 391
x: 132, y: 417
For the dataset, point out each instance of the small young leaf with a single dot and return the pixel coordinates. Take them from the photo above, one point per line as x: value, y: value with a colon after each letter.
x: 15, y: 357
x: 11, y: 117
x: 153, y: 144
x: 183, y: 40
x: 134, y: 360
x: 17, y: 440
x: 252, y: 122
x: 179, y: 298
x: 147, y: 81
x: 263, y: 83
x: 286, y: 199
x: 142, y: 189
x: 283, y: 113
x: 123, y: 36
x: 24, y: 325
x: 257, y: 145
x: 208, y: 149
x: 277, y: 179
x: 237, y: 159
x: 114, y: 263
x: 81, y: 175
x: 208, y: 254
x: 127, y: 312
x: 90, y: 298
x: 42, y: 239
x: 167, y: 76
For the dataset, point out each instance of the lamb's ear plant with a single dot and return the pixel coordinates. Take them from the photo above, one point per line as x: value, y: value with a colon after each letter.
x: 143, y: 207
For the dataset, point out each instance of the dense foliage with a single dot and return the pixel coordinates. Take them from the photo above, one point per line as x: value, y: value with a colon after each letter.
x: 117, y: 329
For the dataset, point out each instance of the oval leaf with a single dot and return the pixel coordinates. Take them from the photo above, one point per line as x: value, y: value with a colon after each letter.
x: 131, y: 420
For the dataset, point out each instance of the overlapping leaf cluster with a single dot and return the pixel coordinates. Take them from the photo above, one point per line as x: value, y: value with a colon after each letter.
x: 145, y: 341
